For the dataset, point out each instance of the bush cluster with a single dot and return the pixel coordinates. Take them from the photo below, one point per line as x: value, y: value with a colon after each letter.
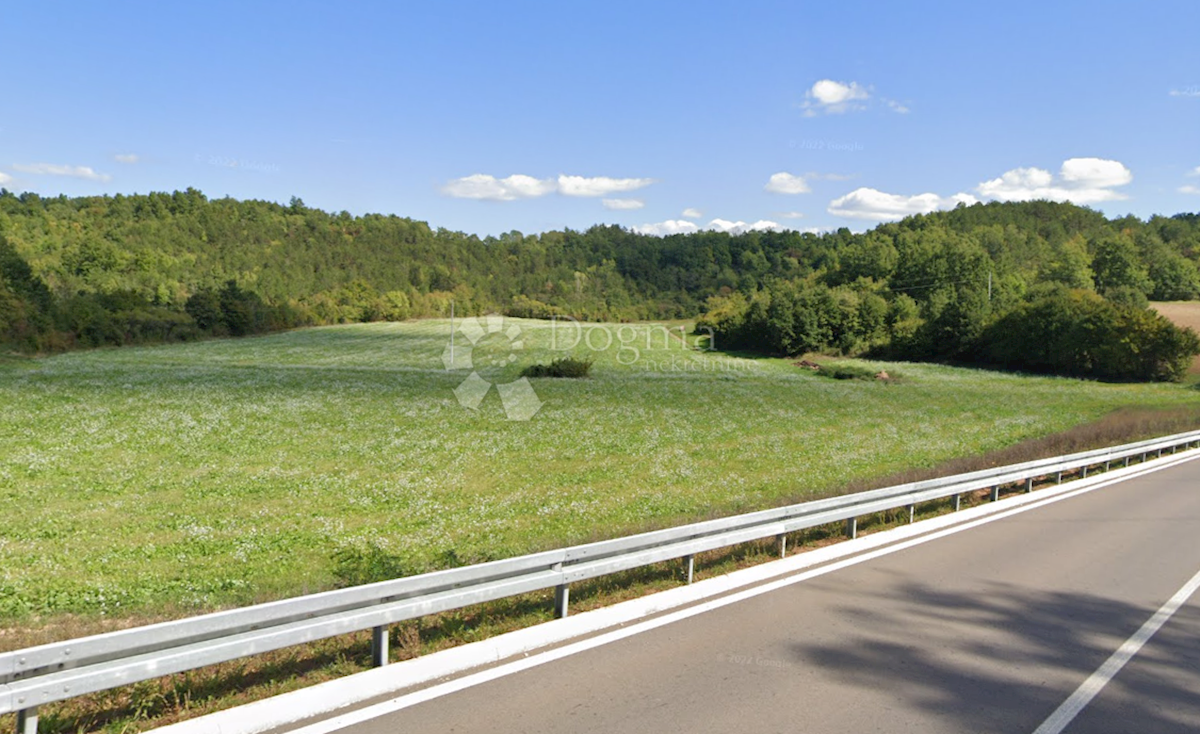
x: 562, y: 367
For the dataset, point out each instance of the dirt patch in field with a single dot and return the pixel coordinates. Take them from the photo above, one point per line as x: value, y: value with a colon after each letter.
x: 1182, y: 313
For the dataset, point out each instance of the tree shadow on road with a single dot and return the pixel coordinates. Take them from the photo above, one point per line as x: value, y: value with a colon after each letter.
x: 1004, y: 660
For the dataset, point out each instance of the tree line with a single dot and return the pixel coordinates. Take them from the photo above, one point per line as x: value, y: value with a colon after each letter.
x: 114, y: 270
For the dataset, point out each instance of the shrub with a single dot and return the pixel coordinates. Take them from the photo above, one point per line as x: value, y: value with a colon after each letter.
x: 564, y: 367
x: 846, y: 372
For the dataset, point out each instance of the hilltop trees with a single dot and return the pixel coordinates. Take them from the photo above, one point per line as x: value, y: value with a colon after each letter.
x: 125, y: 269
x: 26, y: 304
x: 1076, y: 332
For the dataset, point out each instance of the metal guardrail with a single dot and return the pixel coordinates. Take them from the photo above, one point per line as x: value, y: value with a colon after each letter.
x: 58, y: 671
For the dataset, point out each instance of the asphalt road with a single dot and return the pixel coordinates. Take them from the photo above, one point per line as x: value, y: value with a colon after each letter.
x: 987, y: 630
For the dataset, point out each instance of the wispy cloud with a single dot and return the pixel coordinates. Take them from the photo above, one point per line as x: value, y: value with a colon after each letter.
x: 623, y: 204
x: 5, y: 178
x: 868, y: 203
x: 51, y: 169
x: 126, y: 158
x: 519, y: 186
x: 1080, y: 180
x: 490, y: 188
x: 599, y: 185
x: 790, y: 215
x: 1189, y: 189
x: 692, y: 213
x: 1186, y: 92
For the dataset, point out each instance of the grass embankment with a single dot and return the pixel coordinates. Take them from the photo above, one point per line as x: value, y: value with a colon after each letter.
x: 142, y: 484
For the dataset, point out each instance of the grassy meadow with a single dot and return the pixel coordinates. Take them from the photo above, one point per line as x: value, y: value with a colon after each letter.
x: 193, y: 476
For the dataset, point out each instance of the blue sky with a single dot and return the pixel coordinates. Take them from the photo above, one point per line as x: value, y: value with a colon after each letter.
x: 489, y: 117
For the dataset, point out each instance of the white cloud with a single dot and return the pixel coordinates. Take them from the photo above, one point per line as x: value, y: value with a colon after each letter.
x: 1194, y: 172
x: 896, y: 106
x: 791, y: 215
x: 483, y: 186
x: 1080, y: 180
x: 829, y: 92
x: 518, y: 186
x: 724, y: 225
x: 680, y: 226
x: 127, y: 158
x: 671, y: 226
x: 867, y: 203
x: 1189, y: 189
x: 1186, y: 92
x: 834, y: 98
x: 787, y: 183
x: 599, y: 185
x: 692, y: 213
x: 5, y: 178
x: 51, y: 169
x: 621, y: 204
x: 1095, y: 173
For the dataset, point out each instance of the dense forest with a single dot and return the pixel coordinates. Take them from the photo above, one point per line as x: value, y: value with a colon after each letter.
x: 1036, y: 285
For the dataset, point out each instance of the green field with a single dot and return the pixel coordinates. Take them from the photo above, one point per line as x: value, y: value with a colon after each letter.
x: 193, y: 476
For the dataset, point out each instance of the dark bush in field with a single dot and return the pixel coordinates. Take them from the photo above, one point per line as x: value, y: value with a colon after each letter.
x: 564, y: 367
x: 846, y: 372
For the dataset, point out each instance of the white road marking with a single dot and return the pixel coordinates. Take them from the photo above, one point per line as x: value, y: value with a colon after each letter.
x: 1095, y: 683
x: 400, y: 703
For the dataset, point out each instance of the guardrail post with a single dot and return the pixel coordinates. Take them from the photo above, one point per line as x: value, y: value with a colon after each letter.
x: 782, y: 545
x: 912, y: 513
x: 1126, y: 461
x: 957, y: 502
x: 995, y: 493
x: 1083, y: 473
x: 562, y: 598
x: 27, y: 721
x: 1058, y: 478
x: 852, y: 528
x: 691, y: 567
x: 379, y: 646
x: 1159, y: 454
x: 1028, y: 485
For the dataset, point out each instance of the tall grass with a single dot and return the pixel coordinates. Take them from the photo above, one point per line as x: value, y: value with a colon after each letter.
x: 168, y: 480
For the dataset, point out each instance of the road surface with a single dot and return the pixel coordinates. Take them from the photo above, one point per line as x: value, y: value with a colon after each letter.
x: 986, y: 630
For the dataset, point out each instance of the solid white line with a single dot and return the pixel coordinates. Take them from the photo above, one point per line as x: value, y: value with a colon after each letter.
x: 1088, y: 690
x: 400, y: 703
